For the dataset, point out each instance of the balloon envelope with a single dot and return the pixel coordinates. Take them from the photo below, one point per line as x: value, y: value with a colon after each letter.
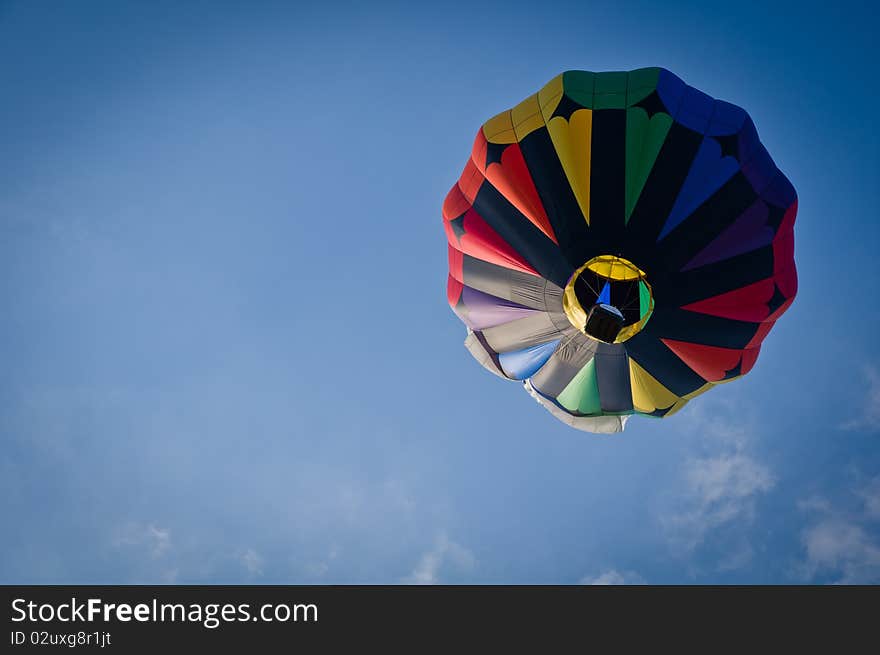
x: 619, y: 242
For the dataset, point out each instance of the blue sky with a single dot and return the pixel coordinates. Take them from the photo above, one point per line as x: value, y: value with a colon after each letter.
x: 226, y: 347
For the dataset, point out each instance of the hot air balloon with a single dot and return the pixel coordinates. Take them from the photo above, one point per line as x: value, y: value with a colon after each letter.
x: 620, y: 243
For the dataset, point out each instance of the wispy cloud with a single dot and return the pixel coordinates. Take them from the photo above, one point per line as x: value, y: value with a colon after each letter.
x: 252, y: 562
x: 721, y: 487
x: 156, y: 540
x: 843, y: 542
x: 614, y: 577
x: 444, y: 556
x: 870, y: 495
x: 151, y: 550
x: 868, y: 417
x: 719, y: 490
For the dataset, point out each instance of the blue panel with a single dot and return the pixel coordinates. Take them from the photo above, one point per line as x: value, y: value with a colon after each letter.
x: 670, y: 88
x: 695, y: 110
x: 709, y: 171
x: 726, y: 119
x: 605, y: 296
x: 522, y: 364
x: 749, y: 143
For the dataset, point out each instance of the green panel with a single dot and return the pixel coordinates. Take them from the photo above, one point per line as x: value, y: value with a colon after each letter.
x: 640, y: 84
x: 611, y: 82
x: 610, y: 91
x: 614, y: 90
x: 644, y: 138
x: 582, y: 393
x: 578, y: 85
x: 644, y: 299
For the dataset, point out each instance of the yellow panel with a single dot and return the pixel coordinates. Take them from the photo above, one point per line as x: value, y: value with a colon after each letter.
x: 688, y: 397
x: 549, y: 97
x: 677, y: 406
x: 572, y: 308
x: 703, y: 389
x: 514, y: 125
x: 615, y: 268
x: 648, y: 394
x: 527, y: 117
x: 572, y: 141
x: 499, y: 129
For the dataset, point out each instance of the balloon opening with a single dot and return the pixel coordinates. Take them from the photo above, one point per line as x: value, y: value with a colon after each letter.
x: 604, y: 322
x: 609, y: 299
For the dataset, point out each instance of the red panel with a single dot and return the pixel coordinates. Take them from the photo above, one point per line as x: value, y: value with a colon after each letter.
x: 455, y: 204
x: 710, y: 362
x: 748, y: 303
x: 787, y: 223
x: 455, y: 264
x: 470, y: 181
x: 453, y: 290
x: 749, y: 357
x: 478, y: 152
x: 482, y: 242
x: 783, y: 249
x: 785, y: 272
x: 762, y: 331
x: 512, y: 178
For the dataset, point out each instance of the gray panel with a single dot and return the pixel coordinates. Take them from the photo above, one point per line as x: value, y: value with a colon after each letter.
x: 479, y: 352
x: 570, y: 357
x: 522, y: 333
x: 612, y: 374
x: 518, y: 287
x: 595, y: 424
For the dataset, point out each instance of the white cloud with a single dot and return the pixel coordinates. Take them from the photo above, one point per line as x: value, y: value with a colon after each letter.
x: 738, y: 556
x: 154, y: 557
x: 870, y: 495
x: 318, y: 569
x: 252, y: 562
x: 720, y: 488
x: 718, y: 491
x: 720, y: 420
x: 719, y: 483
x: 156, y: 540
x: 842, y: 547
x: 445, y: 555
x: 614, y: 577
x: 869, y: 416
x: 841, y: 543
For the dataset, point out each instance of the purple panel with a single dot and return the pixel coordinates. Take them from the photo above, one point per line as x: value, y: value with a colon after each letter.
x: 747, y: 233
x: 780, y: 192
x: 759, y: 169
x: 749, y: 144
x: 483, y: 311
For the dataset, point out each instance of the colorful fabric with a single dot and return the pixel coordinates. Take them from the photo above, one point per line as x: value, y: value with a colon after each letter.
x: 633, y: 167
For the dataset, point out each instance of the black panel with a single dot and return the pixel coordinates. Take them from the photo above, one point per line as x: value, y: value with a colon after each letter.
x: 560, y: 203
x: 678, y: 289
x: 659, y: 194
x: 705, y: 329
x: 608, y: 177
x: 521, y: 234
x: 652, y: 355
x: 705, y: 223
